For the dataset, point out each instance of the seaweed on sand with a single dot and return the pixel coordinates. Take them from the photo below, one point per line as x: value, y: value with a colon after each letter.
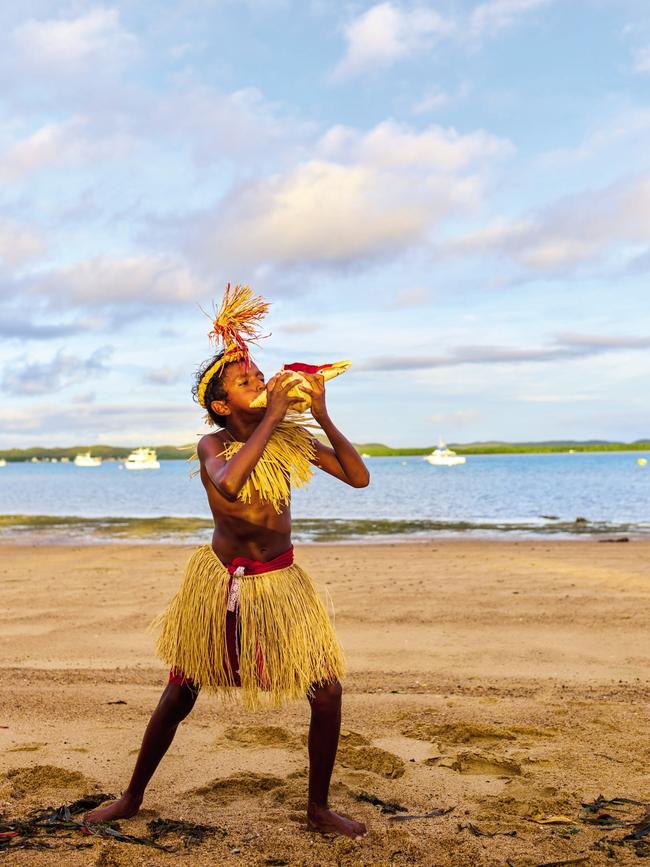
x: 599, y: 812
x: 190, y: 832
x: 432, y: 814
x: 613, y: 813
x: 390, y: 807
x: 30, y: 833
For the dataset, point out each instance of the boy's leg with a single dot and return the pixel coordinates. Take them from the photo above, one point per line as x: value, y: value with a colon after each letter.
x: 323, y: 742
x: 175, y: 704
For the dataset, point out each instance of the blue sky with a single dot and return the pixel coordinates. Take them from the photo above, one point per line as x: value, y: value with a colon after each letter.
x: 455, y: 195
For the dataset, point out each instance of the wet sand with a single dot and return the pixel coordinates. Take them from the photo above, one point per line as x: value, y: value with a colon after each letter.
x: 506, y: 680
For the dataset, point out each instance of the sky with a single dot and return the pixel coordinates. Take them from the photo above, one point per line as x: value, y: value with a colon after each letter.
x: 454, y: 195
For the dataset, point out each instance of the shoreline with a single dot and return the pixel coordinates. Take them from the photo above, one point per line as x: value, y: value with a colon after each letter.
x: 183, y: 530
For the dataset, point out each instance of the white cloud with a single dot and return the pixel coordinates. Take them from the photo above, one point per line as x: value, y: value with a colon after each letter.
x: 392, y: 145
x: 385, y: 33
x: 38, y: 377
x: 19, y: 244
x: 614, y: 132
x: 166, y: 375
x: 556, y: 398
x: 495, y: 15
x: 581, y: 230
x: 388, y: 32
x: 432, y: 100
x: 142, y: 280
x: 457, y: 418
x: 365, y: 195
x: 69, y: 142
x: 218, y: 125
x: 642, y: 59
x: 319, y: 212
x: 301, y: 327
x: 564, y: 347
x: 115, y: 423
x: 65, y: 46
x: 411, y: 298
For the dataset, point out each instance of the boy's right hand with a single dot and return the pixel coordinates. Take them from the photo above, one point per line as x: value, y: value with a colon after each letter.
x: 278, y: 388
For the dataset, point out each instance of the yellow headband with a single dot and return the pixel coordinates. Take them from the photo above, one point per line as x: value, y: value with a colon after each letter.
x: 236, y: 323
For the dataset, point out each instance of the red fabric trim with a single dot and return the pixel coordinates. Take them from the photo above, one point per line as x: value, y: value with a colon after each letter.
x: 258, y: 567
x: 299, y: 367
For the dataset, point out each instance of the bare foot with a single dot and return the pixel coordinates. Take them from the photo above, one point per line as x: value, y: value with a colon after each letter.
x: 326, y: 821
x: 123, y: 808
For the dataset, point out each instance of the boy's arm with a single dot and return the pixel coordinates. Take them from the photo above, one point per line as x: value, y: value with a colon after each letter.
x: 342, y: 460
x: 229, y: 477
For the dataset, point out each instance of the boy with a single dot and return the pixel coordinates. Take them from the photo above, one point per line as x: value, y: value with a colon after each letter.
x: 255, y: 623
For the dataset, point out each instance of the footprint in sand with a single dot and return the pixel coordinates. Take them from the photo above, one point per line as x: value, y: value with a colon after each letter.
x: 523, y: 799
x: 29, y: 747
x: 485, y: 765
x: 259, y: 736
x: 458, y: 733
x: 244, y: 785
x: 349, y: 738
x: 367, y: 758
x: 18, y: 782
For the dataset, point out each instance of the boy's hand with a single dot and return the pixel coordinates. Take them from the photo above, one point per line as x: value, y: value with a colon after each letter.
x: 278, y: 388
x: 317, y: 386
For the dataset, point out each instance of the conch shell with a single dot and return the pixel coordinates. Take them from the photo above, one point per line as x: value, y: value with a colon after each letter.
x: 301, y: 388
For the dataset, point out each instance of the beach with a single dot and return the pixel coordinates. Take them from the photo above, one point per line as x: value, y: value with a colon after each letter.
x: 502, y: 683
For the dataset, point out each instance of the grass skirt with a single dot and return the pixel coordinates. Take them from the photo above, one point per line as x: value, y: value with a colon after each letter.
x: 287, y: 644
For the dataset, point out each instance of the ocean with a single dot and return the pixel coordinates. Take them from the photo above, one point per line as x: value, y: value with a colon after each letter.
x: 523, y: 496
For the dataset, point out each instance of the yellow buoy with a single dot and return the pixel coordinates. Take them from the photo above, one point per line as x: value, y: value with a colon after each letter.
x: 642, y: 461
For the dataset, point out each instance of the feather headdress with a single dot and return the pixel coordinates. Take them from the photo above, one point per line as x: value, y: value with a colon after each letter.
x: 236, y: 324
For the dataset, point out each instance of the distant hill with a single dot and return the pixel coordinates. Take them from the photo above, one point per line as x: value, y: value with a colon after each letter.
x: 165, y: 453
x: 549, y: 446
x: 503, y: 448
x: 171, y: 452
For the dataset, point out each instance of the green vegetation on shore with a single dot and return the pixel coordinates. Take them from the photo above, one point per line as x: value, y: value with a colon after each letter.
x: 375, y: 450
x: 502, y: 448
x: 165, y: 453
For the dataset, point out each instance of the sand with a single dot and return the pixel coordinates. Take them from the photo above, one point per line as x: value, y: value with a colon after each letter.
x: 506, y: 680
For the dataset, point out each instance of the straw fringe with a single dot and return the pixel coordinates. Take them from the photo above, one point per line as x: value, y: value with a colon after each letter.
x: 285, y: 461
x: 287, y: 643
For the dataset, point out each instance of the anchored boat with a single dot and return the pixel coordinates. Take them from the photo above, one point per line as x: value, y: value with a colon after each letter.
x: 84, y: 459
x: 142, y: 459
x: 444, y: 457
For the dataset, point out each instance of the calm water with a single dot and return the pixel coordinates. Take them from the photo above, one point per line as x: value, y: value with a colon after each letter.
x: 489, y: 494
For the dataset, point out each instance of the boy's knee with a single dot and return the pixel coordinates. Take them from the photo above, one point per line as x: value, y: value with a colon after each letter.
x: 327, y: 696
x: 177, y: 701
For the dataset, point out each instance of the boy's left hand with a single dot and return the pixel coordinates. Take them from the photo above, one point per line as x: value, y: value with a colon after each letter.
x: 317, y: 385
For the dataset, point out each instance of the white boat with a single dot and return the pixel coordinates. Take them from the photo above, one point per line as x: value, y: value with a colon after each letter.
x: 142, y: 459
x: 444, y: 457
x: 3, y: 462
x: 84, y: 459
